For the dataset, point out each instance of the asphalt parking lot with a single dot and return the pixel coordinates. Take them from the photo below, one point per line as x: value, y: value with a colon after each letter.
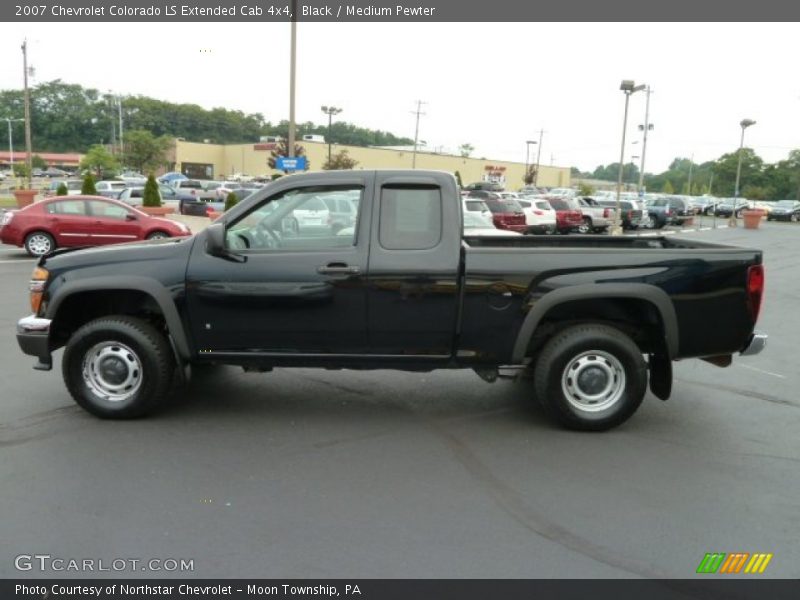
x: 317, y: 474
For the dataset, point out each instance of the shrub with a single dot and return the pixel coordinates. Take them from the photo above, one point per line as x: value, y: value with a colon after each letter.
x: 88, y: 186
x: 231, y: 200
x: 151, y: 196
x: 62, y: 189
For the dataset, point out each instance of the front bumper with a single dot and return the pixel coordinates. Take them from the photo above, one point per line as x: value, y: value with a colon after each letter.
x: 33, y: 337
x: 755, y: 344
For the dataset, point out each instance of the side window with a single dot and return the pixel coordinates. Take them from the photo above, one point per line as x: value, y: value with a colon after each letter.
x: 411, y: 217
x: 67, y: 207
x: 296, y: 220
x: 107, y: 210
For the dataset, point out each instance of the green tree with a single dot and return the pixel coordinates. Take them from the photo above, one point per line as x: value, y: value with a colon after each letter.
x: 144, y: 151
x: 100, y: 161
x: 341, y: 161
x: 282, y: 149
x: 585, y: 190
x: 466, y: 149
x: 20, y: 169
x: 668, y: 189
x: 231, y: 200
x: 530, y: 175
x: 87, y: 187
x: 151, y: 195
x: 37, y: 162
x: 62, y: 189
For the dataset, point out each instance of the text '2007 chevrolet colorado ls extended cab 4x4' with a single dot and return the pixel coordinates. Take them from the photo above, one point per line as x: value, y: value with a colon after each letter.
x: 591, y: 318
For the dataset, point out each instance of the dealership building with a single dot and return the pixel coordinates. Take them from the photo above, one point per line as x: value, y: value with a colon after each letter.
x: 217, y: 161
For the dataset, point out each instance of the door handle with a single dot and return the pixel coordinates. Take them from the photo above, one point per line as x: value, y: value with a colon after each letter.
x: 338, y: 269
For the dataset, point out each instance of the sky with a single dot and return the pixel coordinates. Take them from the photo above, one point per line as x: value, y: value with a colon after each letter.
x: 492, y: 85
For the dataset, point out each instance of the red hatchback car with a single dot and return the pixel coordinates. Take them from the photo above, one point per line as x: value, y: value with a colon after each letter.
x: 64, y: 221
x: 506, y: 213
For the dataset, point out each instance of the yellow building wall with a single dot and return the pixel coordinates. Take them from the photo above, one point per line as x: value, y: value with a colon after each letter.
x: 244, y: 158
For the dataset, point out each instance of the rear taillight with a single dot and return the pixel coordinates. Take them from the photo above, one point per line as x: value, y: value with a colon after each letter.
x: 606, y: 213
x: 667, y: 212
x: 538, y: 212
x: 630, y: 215
x: 755, y: 289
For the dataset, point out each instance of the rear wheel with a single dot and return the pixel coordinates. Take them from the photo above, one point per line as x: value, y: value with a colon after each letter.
x: 39, y: 243
x: 590, y: 377
x: 586, y: 226
x: 118, y: 367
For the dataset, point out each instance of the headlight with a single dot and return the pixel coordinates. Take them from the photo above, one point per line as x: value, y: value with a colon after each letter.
x: 36, y: 287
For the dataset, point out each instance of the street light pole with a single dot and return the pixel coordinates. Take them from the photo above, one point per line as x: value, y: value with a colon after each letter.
x: 628, y: 87
x: 292, y: 79
x: 647, y: 127
x: 330, y: 111
x: 121, y: 140
x: 11, y: 142
x: 28, y: 158
x: 744, y: 124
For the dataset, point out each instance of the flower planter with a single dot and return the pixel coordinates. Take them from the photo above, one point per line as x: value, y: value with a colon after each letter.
x: 156, y: 211
x: 688, y: 222
x: 24, y: 197
x: 752, y: 218
x: 213, y: 214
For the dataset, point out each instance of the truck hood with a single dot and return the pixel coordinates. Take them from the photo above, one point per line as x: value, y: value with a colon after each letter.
x: 150, y: 250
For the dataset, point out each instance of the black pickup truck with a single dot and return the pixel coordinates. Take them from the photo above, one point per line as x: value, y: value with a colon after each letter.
x: 589, y: 318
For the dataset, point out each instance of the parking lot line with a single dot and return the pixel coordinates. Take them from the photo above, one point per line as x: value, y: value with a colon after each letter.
x: 770, y: 373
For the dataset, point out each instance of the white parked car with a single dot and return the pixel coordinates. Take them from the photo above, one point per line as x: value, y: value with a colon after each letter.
x: 311, y: 215
x: 539, y: 215
x: 476, y: 206
x: 110, y: 188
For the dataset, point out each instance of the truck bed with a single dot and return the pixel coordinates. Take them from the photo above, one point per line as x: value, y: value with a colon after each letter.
x: 591, y: 241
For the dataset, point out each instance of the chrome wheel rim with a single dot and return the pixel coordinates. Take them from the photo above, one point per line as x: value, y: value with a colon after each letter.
x: 593, y: 381
x: 39, y: 244
x: 112, y: 371
x: 157, y: 236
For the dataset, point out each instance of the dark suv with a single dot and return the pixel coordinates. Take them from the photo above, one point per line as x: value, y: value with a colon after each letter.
x: 669, y: 210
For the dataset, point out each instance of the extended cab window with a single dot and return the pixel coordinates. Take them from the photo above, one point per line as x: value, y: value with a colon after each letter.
x: 411, y: 217
x: 297, y: 220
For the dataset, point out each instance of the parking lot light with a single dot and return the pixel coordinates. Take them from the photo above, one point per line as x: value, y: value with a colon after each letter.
x: 628, y: 87
x: 744, y: 124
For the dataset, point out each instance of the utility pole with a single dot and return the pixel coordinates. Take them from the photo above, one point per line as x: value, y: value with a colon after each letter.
x: 689, y: 183
x: 292, y: 79
x: 28, y: 159
x: 419, y: 113
x: 121, y: 141
x: 538, y: 158
x: 645, y: 128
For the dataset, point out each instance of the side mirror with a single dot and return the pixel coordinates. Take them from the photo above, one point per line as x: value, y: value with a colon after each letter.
x: 215, y: 239
x: 215, y: 244
x: 130, y: 217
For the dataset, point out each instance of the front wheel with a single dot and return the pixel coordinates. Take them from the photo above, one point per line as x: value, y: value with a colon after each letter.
x: 590, y: 377
x: 158, y: 235
x: 39, y: 243
x: 118, y: 367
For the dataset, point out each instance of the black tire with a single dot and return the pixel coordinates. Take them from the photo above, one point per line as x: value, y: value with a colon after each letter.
x: 608, y: 357
x: 132, y: 348
x: 39, y: 243
x: 157, y: 235
x: 586, y: 226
